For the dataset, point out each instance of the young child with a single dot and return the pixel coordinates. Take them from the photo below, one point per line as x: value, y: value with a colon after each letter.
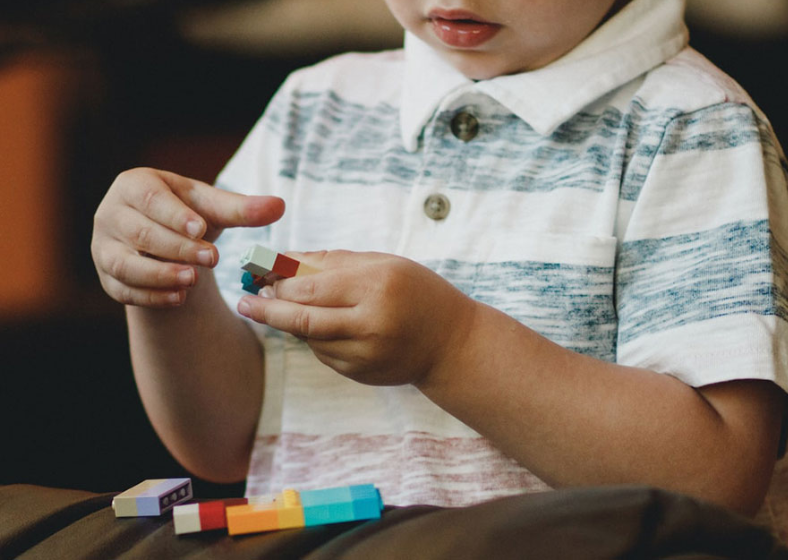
x: 552, y: 249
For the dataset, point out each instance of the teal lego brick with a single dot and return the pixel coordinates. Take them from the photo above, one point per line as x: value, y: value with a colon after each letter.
x: 248, y: 283
x: 337, y: 505
x: 367, y: 502
x: 329, y: 505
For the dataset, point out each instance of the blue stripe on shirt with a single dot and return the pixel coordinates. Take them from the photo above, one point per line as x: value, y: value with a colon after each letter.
x: 508, y: 154
x: 570, y: 304
x: 667, y: 283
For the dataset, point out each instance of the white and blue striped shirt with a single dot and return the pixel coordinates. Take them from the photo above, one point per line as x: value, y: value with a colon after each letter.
x: 627, y: 201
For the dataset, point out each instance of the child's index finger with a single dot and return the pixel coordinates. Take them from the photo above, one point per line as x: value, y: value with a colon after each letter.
x: 223, y: 208
x: 229, y: 209
x: 261, y: 262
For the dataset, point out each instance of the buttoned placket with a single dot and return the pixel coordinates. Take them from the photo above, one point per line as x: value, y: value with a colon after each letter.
x: 431, y: 206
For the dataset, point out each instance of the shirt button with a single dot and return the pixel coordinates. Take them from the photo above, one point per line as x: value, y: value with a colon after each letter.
x: 437, y: 207
x: 465, y: 126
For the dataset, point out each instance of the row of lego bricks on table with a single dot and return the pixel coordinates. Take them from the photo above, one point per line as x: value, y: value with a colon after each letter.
x: 260, y: 263
x: 286, y: 510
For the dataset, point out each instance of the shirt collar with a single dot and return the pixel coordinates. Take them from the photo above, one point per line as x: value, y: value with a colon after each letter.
x: 643, y: 35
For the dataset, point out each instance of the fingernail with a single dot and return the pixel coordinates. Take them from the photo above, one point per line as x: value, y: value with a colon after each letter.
x: 267, y: 292
x: 205, y: 257
x: 244, y: 308
x: 194, y: 228
x: 186, y: 277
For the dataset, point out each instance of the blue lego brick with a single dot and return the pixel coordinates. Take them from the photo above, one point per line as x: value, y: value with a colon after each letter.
x: 163, y: 497
x: 148, y: 505
x: 337, y: 505
x: 367, y: 502
x: 329, y: 505
x: 248, y: 282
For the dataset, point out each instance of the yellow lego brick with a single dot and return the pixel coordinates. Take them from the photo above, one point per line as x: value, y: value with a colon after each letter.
x: 289, y: 510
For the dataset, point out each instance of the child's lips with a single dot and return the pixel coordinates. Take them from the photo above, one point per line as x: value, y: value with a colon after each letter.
x: 462, y: 29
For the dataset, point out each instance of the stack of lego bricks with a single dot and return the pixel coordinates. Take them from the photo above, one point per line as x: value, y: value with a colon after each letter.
x: 263, y: 266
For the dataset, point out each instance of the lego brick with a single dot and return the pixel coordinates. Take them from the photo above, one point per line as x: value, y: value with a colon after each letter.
x: 252, y: 283
x: 258, y: 260
x: 213, y: 516
x: 284, y: 266
x: 204, y: 516
x: 337, y: 505
x: 242, y: 519
x: 252, y: 518
x: 329, y: 505
x: 152, y: 497
x: 367, y: 502
x: 186, y: 519
x: 290, y: 513
x: 266, y: 513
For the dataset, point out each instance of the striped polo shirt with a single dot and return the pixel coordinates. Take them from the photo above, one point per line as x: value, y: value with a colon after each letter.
x: 622, y: 201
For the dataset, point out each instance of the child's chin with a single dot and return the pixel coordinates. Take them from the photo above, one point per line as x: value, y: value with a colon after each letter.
x: 478, y: 67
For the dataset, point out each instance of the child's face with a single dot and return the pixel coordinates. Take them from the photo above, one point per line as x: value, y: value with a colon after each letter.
x: 488, y: 38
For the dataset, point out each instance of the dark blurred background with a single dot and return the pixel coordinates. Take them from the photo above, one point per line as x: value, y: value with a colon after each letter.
x: 90, y: 88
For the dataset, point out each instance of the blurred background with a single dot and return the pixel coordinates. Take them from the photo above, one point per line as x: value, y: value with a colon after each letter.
x: 89, y: 88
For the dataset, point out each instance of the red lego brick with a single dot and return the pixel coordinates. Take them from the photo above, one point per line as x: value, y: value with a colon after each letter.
x: 285, y: 266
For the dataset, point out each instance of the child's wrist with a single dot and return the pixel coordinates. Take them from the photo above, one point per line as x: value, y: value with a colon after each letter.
x: 458, y: 349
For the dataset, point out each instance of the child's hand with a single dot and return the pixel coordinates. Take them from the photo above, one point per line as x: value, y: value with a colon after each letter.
x: 154, y: 228
x: 375, y: 318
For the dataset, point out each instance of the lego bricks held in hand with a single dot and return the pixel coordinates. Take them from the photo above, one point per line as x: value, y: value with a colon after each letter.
x: 260, y: 263
x: 152, y: 497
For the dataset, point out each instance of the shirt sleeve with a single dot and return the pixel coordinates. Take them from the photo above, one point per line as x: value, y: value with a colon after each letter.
x: 702, y: 267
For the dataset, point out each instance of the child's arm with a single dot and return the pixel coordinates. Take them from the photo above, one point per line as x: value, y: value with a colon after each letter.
x: 199, y: 369
x: 569, y: 418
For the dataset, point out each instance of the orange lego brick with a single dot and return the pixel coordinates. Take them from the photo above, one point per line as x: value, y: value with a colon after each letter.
x: 252, y: 518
